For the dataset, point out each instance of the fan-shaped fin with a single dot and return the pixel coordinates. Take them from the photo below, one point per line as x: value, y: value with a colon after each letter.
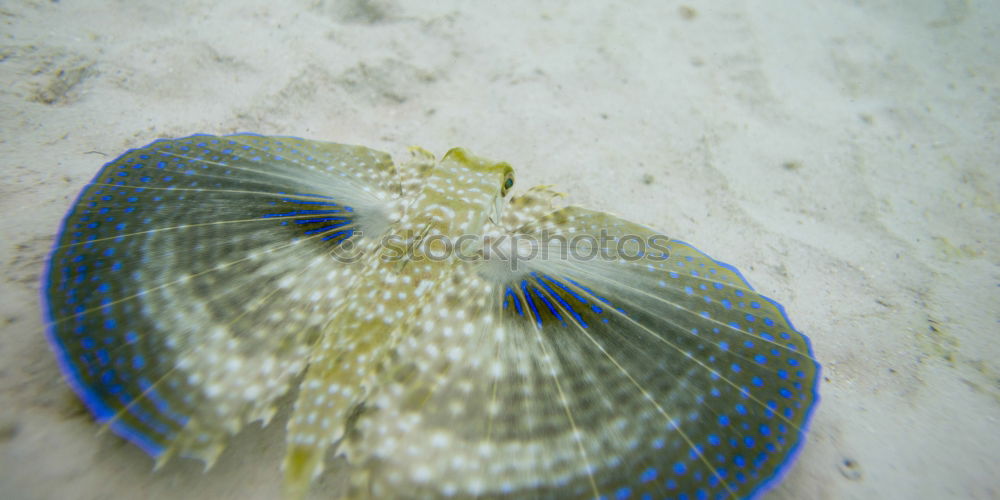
x: 193, y: 275
x: 615, y: 362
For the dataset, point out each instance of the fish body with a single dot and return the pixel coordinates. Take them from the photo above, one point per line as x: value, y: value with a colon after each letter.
x: 447, y: 339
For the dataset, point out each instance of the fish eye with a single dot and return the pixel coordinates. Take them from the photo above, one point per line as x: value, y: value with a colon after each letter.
x: 507, y: 184
x: 508, y: 178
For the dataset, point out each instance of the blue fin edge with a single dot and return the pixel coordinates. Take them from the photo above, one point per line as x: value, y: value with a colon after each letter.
x: 782, y: 469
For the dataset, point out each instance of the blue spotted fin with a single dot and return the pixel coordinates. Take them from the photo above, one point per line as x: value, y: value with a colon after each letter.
x: 573, y: 377
x: 174, y: 289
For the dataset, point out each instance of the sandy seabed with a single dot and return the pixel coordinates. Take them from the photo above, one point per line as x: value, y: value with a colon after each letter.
x: 843, y: 154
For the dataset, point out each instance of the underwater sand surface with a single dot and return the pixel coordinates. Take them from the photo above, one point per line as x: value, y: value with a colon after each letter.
x: 842, y: 155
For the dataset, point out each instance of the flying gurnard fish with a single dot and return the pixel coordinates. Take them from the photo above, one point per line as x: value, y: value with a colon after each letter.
x: 447, y: 340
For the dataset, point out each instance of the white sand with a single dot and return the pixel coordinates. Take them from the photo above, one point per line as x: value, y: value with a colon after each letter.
x: 844, y: 155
